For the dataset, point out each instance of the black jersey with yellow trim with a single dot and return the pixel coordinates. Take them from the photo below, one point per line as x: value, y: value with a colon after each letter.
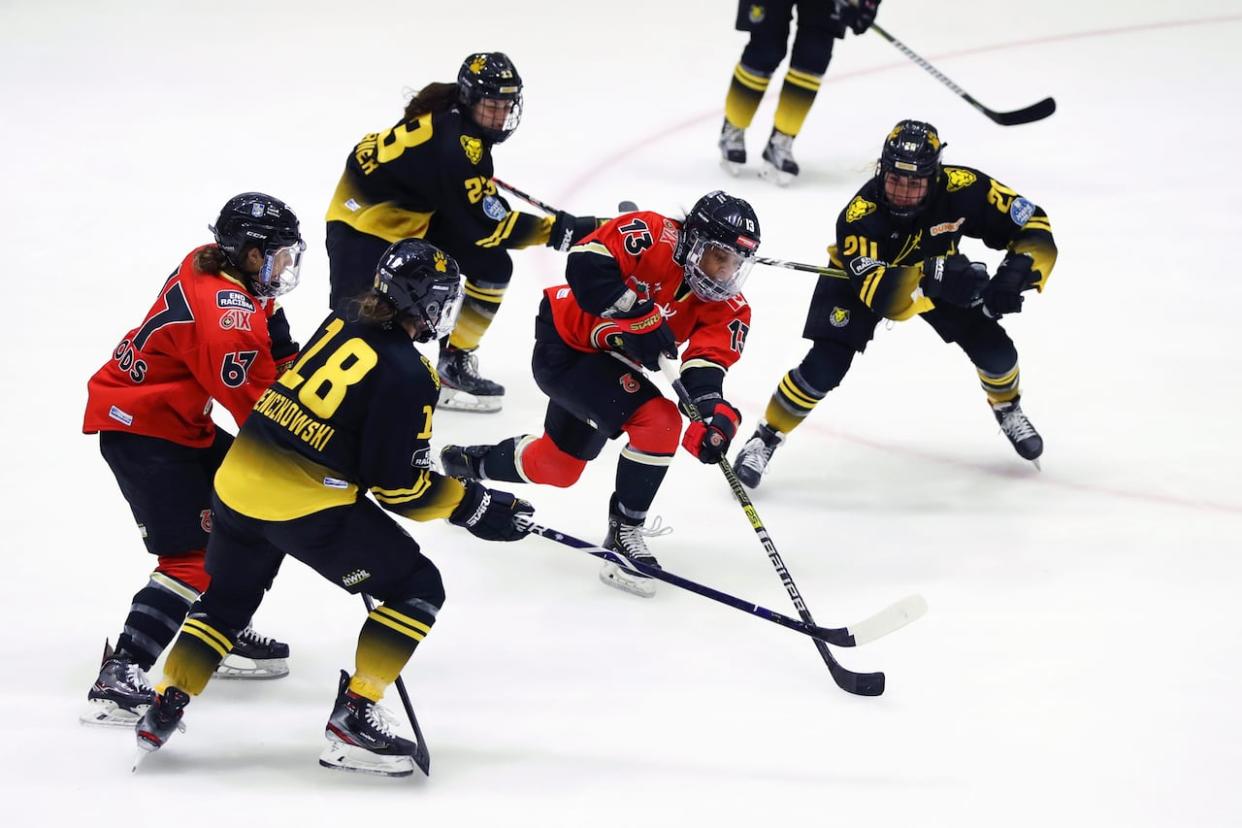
x: 439, y: 165
x: 354, y: 414
x: 885, y: 255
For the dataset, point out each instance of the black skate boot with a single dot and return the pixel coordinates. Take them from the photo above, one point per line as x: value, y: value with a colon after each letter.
x: 1022, y: 435
x: 163, y: 717
x: 361, y: 739
x: 255, y: 656
x: 752, y: 461
x: 628, y: 535
x: 120, y: 695
x: 461, y: 387
x: 464, y: 462
x: 732, y: 145
x: 779, y: 164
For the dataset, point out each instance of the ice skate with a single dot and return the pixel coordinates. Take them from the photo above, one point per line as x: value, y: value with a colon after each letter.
x: 159, y: 722
x: 120, y: 695
x: 779, y: 165
x: 361, y: 738
x: 255, y: 656
x: 732, y: 145
x: 1022, y: 435
x: 461, y: 387
x: 752, y: 461
x: 628, y: 536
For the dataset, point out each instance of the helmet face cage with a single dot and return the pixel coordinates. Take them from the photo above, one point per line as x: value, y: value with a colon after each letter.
x: 423, y: 283
x: 490, y: 92
x: 715, y: 270
x: 716, y: 246
x: 911, y: 150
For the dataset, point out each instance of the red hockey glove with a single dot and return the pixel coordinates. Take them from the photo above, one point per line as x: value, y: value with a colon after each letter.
x: 709, y: 440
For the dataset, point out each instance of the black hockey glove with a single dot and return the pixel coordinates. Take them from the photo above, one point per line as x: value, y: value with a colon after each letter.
x: 491, y: 514
x: 953, y: 279
x: 641, y: 334
x: 568, y: 230
x: 709, y: 440
x: 858, y: 15
x: 1003, y: 294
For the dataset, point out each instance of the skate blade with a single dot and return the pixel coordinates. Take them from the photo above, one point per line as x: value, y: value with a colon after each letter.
x: 731, y: 167
x: 343, y: 757
x: 615, y: 577
x: 776, y: 176
x: 239, y: 667
x: 103, y: 713
x: 454, y: 400
x: 1035, y: 463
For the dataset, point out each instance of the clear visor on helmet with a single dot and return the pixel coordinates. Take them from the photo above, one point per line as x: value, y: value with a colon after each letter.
x: 442, y: 315
x: 279, y: 273
x: 715, y: 270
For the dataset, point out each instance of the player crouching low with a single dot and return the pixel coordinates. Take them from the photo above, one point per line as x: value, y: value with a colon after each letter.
x: 353, y: 413
x: 638, y: 287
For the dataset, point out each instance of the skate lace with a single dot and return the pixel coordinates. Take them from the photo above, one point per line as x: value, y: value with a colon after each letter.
x: 731, y: 137
x: 381, y: 720
x: 468, y: 364
x: 633, y: 537
x: 780, y: 147
x: 251, y: 637
x: 756, y: 454
x: 137, y: 678
x: 1017, y: 426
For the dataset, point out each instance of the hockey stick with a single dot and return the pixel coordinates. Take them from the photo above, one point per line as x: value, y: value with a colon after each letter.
x: 860, y: 684
x: 1035, y: 112
x: 422, y: 757
x: 882, y: 623
x: 542, y: 205
x: 834, y: 272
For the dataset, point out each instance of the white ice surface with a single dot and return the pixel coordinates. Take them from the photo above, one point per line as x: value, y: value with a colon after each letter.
x: 1080, y: 663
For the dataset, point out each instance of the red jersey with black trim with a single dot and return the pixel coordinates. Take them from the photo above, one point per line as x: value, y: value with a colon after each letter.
x: 206, y: 337
x: 635, y: 251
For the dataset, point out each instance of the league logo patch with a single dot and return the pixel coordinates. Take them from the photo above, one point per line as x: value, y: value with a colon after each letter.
x: 630, y: 384
x: 494, y: 208
x: 756, y: 14
x: 839, y: 318
x: 120, y: 416
x: 421, y: 458
x: 335, y: 483
x: 946, y: 227
x: 859, y: 208
x: 473, y: 148
x: 1021, y: 211
x: 234, y: 299
x: 355, y: 577
x: 959, y: 179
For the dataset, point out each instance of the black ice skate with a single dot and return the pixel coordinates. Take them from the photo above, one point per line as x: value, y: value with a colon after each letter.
x: 1022, y: 435
x: 361, y: 739
x: 732, y: 145
x: 779, y: 164
x: 628, y: 535
x: 120, y: 695
x: 157, y: 725
x: 461, y: 387
x: 465, y: 462
x: 752, y: 461
x: 255, y: 656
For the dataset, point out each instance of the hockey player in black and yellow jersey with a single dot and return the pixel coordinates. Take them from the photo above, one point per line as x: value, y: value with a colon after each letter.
x: 353, y: 415
x: 898, y: 240
x: 429, y: 176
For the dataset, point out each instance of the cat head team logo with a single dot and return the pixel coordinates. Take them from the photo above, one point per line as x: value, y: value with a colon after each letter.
x: 756, y: 14
x: 431, y: 369
x: 630, y: 384
x: 473, y: 148
x: 839, y: 318
x: 959, y: 179
x: 859, y: 208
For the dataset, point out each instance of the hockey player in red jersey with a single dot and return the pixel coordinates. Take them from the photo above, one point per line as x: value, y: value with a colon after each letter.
x: 638, y: 287
x: 214, y: 333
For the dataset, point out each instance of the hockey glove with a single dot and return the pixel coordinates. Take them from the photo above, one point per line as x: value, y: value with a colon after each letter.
x: 709, y: 440
x: 641, y: 334
x: 1003, y: 294
x: 858, y: 15
x: 953, y: 279
x: 284, y: 349
x: 491, y: 514
x: 568, y: 230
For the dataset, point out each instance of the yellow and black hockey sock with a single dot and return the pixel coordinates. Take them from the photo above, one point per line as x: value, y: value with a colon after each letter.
x: 793, y: 400
x: 797, y: 94
x: 388, y: 639
x: 194, y: 658
x: 479, y: 308
x: 1000, y: 388
x: 745, y: 92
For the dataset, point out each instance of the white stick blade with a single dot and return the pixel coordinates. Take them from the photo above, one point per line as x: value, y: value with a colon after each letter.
x: 908, y: 609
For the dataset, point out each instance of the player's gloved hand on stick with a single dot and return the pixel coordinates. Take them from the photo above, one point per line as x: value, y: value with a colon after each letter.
x: 953, y: 279
x: 491, y: 514
x: 858, y: 14
x: 640, y: 334
x: 1003, y: 294
x: 568, y: 230
x: 709, y: 440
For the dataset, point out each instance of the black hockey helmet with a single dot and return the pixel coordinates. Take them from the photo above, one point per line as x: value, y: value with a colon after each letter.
x: 912, y: 151
x: 422, y: 282
x: 261, y: 221
x: 491, y: 76
x: 725, y: 230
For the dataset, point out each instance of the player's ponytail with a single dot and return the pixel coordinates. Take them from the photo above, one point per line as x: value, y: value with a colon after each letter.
x: 370, y: 309
x: 210, y: 259
x: 432, y: 99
